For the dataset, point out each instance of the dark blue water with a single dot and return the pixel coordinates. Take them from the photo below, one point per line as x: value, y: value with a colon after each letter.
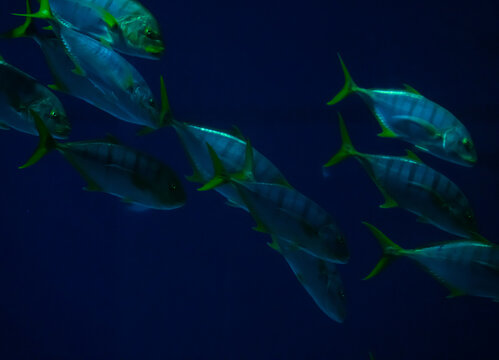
x: 82, y: 277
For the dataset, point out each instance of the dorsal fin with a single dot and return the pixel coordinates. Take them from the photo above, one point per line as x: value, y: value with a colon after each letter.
x: 412, y: 156
x: 479, y: 238
x: 410, y: 89
x: 235, y: 131
x: 112, y: 139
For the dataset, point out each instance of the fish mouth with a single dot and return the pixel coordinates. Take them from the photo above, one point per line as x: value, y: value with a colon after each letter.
x: 469, y: 159
x: 155, y: 50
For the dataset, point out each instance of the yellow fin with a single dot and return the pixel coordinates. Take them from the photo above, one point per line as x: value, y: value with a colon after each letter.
x: 410, y: 89
x: 274, y: 244
x: 412, y: 156
x: 389, y: 202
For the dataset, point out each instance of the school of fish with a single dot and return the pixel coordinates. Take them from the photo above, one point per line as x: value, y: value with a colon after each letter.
x: 85, y: 43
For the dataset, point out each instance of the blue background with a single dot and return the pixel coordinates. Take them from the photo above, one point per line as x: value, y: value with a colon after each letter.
x: 82, y: 277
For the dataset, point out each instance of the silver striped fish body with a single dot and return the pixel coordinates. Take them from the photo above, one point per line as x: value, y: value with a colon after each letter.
x: 421, y: 122
x: 232, y: 152
x: 290, y: 215
x: 320, y: 279
x: 126, y: 173
x: 468, y: 266
x: 114, y: 76
x: 137, y: 32
x: 78, y: 86
x: 20, y: 94
x: 423, y: 191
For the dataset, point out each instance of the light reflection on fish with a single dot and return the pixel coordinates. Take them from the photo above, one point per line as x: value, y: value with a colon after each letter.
x: 110, y: 167
x: 465, y: 267
x: 409, y: 116
x: 124, y: 25
x: 87, y: 69
x: 20, y: 95
x: 414, y: 186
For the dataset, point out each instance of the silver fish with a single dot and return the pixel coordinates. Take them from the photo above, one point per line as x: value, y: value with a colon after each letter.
x: 110, y: 167
x: 124, y: 25
x: 20, y: 95
x: 414, y: 186
x: 409, y: 116
x: 465, y: 267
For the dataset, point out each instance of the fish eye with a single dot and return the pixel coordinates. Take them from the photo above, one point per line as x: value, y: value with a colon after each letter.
x: 467, y: 143
x: 151, y: 102
x: 172, y: 187
x: 150, y: 33
x: 53, y: 115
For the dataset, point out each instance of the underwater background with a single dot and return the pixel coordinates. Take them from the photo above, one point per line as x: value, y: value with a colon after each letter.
x: 84, y: 277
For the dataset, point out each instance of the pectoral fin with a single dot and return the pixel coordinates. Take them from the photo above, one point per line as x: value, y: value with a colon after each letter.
x: 431, y: 130
x: 488, y: 266
x: 436, y: 197
x: 106, y: 16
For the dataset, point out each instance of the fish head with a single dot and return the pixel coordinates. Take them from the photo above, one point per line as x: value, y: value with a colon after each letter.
x: 142, y: 33
x: 53, y: 115
x: 148, y: 108
x: 458, y: 144
x: 336, y: 243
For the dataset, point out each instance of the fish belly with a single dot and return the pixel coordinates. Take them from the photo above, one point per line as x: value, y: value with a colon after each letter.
x: 320, y: 279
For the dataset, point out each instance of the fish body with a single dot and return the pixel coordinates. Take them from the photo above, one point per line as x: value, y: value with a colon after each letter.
x: 126, y: 173
x: 416, y: 187
x: 124, y: 25
x: 231, y: 151
x: 89, y: 70
x: 78, y: 86
x: 409, y: 116
x: 423, y: 191
x: 466, y: 267
x: 113, y: 168
x: 469, y: 266
x: 320, y: 278
x: 20, y: 94
x: 286, y: 213
x: 113, y: 76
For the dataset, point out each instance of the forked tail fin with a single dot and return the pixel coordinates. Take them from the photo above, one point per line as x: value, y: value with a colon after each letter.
x: 27, y: 29
x: 45, y: 144
x: 346, y: 149
x: 390, y: 250
x: 348, y: 88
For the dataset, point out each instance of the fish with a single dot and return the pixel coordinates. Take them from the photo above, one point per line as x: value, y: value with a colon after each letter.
x: 324, y: 286
x: 86, y: 69
x: 230, y: 147
x: 410, y: 184
x: 320, y: 278
x: 464, y: 266
x: 123, y: 25
x: 284, y: 212
x: 409, y: 116
x: 21, y: 95
x: 115, y: 169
